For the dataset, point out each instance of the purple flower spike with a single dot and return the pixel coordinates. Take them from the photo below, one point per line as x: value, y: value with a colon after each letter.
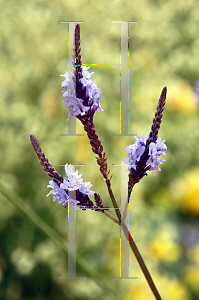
x: 60, y: 186
x: 135, y: 151
x: 90, y: 94
x: 73, y: 182
x: 148, y: 160
x: 82, y: 94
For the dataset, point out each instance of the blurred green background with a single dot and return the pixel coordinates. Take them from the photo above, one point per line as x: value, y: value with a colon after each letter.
x: 164, y: 209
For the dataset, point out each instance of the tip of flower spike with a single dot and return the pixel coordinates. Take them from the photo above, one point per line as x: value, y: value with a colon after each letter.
x: 164, y: 92
x: 162, y: 100
x: 77, y: 27
x: 35, y: 144
x: 32, y: 137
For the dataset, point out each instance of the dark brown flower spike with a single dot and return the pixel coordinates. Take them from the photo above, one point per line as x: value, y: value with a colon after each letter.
x: 98, y: 200
x: 56, y: 177
x: 77, y: 62
x: 153, y: 135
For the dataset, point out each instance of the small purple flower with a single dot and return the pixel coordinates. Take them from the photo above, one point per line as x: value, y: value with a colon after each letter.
x: 92, y: 90
x: 135, y: 151
x: 60, y: 195
x: 155, y: 150
x: 85, y: 188
x: 75, y: 105
x: 72, y: 183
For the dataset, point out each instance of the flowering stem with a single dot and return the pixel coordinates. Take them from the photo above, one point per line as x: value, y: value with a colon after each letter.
x: 114, y: 203
x: 141, y: 262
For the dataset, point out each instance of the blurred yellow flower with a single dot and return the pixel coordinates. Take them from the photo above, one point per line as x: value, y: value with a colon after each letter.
x: 191, y: 194
x: 176, y: 291
x: 141, y: 292
x: 192, y: 277
x: 169, y: 289
x: 193, y: 254
x: 164, y: 248
x: 185, y: 192
x: 183, y: 100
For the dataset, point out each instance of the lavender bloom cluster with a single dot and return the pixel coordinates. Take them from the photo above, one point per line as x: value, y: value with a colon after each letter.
x: 136, y: 150
x: 90, y: 94
x: 73, y: 182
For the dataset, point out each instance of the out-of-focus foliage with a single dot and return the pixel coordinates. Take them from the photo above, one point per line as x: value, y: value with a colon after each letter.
x: 164, y: 209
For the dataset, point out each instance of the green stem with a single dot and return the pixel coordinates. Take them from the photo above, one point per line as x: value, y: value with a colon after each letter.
x: 141, y: 262
x: 133, y: 245
x: 109, y: 216
x: 137, y: 255
x: 114, y: 203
